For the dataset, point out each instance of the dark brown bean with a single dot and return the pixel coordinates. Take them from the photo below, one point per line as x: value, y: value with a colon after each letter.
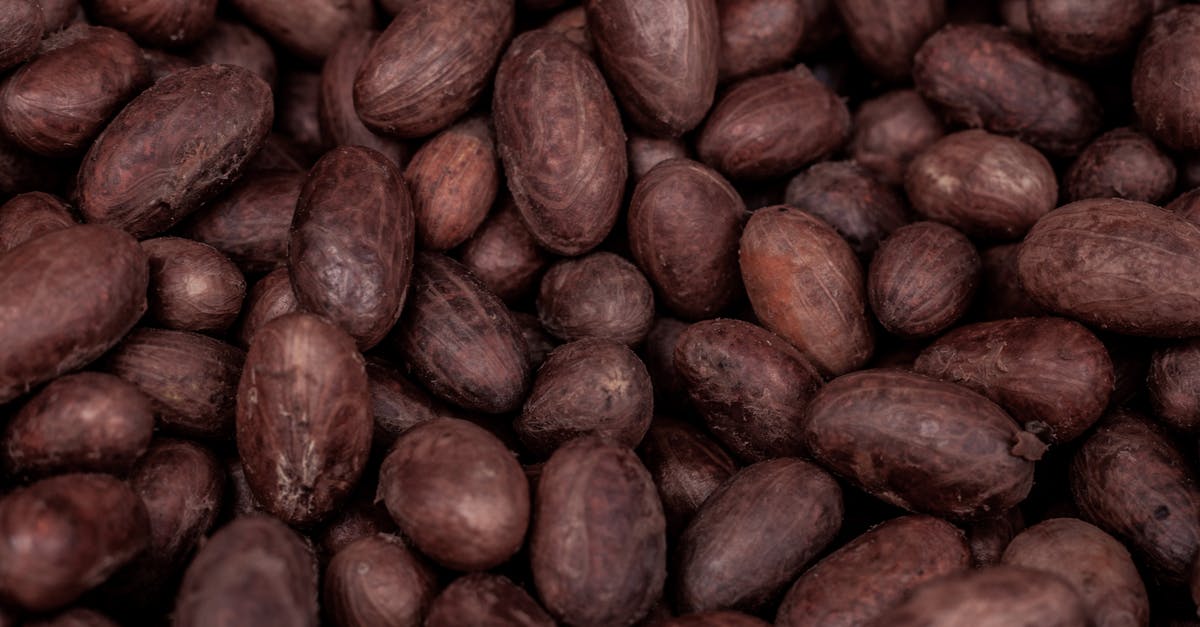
x: 770, y: 125
x: 567, y: 171
x: 597, y: 505
x: 270, y: 298
x: 64, y: 535
x: 1121, y: 163
x: 178, y: 144
x: 750, y: 386
x: 255, y: 570
x: 21, y: 29
x: 458, y: 493
x: 987, y: 186
x: 862, y: 580
x: 886, y: 35
x: 988, y: 537
x: 991, y: 597
x: 592, y: 386
x: 504, y: 255
x: 1052, y: 375
x: 241, y: 499
x: 1087, y: 31
x: 252, y: 222
x: 161, y: 64
x: 783, y: 512
x: 1095, y: 564
x: 234, y: 43
x: 485, y: 600
x: 686, y: 465
x: 806, y: 285
x: 157, y: 23
x: 422, y: 74
x: 303, y: 417
x: 21, y: 171
x: 600, y: 295
x: 1187, y: 205
x: 646, y: 151
x: 890, y: 130
x: 65, y: 298
x: 378, y: 581
x: 351, y: 249
x: 539, y: 342
x: 982, y: 76
x: 922, y: 279
x: 1163, y: 79
x: 761, y: 35
x: 30, y: 215
x: 361, y: 518
x: 861, y: 209
x: 85, y: 422
x: 684, y: 222
x: 77, y: 617
x: 398, y: 404
x: 279, y: 153
x: 59, y: 14
x: 921, y: 444
x: 454, y: 178
x: 460, y: 341
x: 660, y: 59
x: 193, y: 287
x: 340, y: 124
x: 1174, y: 385
x: 1000, y: 294
x: 658, y: 353
x: 296, y: 110
x: 308, y: 28
x: 1119, y: 265
x: 58, y: 102
x: 192, y: 378
x: 1130, y: 480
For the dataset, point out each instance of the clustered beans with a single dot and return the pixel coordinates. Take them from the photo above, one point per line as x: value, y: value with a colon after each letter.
x: 599, y: 313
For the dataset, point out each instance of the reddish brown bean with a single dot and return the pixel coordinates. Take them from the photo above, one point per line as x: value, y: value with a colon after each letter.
x: 686, y: 465
x: 270, y: 298
x: 1121, y: 163
x: 504, y: 255
x: 361, y: 518
x: 30, y: 215
x: 890, y: 130
x: 234, y: 43
x: 567, y: 171
x: 761, y: 35
x: 1087, y: 31
x: 485, y: 601
x: 540, y: 343
x: 193, y: 287
x: 157, y: 23
x: 1174, y: 385
x: 398, y: 404
x: 922, y: 279
x: 600, y: 295
x: 646, y: 151
x: 784, y: 511
x: 308, y: 28
x: 992, y: 597
x: 454, y: 178
x: 340, y: 124
x: 378, y: 581
x: 65, y: 298
x: 1163, y: 79
x: 252, y: 222
x: 21, y: 29
x: 886, y: 35
x: 572, y: 24
x: 862, y: 210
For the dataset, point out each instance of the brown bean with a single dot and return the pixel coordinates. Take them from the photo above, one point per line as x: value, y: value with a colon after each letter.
x: 566, y: 171
x: 783, y: 512
x: 686, y: 465
x: 597, y: 505
x: 572, y: 24
x: 21, y: 29
x: 591, y: 386
x: 646, y: 151
x: 193, y: 287
x: 862, y: 210
x: 684, y: 222
x: 64, y: 535
x: 234, y: 43
x: 660, y: 59
x: 922, y: 279
x: 178, y: 144
x: 760, y: 35
x: 770, y: 125
x: 398, y: 405
x: 279, y: 153
x: 85, y: 422
x: 21, y: 171
x: 987, y: 186
x: 504, y: 255
x: 303, y: 417
x: 750, y: 386
x: 1174, y: 385
x: 600, y: 295
x: 460, y: 341
x: 158, y: 23
x: 1089, y: 31
x: 485, y: 601
x: 252, y: 222
x: 457, y: 492
x: 192, y: 378
x: 983, y: 76
x: 1121, y: 163
x: 886, y: 35
x: 862, y: 580
x: 806, y: 285
x: 1099, y: 568
x: 422, y: 74
x: 1130, y: 480
x: 309, y: 28
x: 351, y: 249
x: 378, y: 581
x: 890, y: 130
x: 66, y: 298
x: 1000, y: 294
x: 454, y: 178
x: 1163, y: 79
x: 270, y: 298
x: 1119, y: 265
x: 58, y: 102
x: 254, y: 569
x: 31, y: 215
x: 999, y: 596
x: 340, y: 124
x: 1052, y: 375
x: 921, y: 444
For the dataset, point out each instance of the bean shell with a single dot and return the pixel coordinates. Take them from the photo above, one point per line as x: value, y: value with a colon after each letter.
x: 308, y: 28
x: 1163, y: 79
x: 504, y: 255
x: 686, y: 465
x: 485, y: 600
x: 378, y: 581
x: 270, y: 298
x: 30, y: 215
x: 454, y: 178
x: 1000, y: 596
x: 21, y: 29
x: 1121, y: 163
x: 193, y: 287
x: 760, y: 35
x: 252, y: 222
x: 157, y: 23
x: 886, y: 35
x: 600, y: 295
x: 890, y: 130
x: 1174, y: 385
x: 922, y: 279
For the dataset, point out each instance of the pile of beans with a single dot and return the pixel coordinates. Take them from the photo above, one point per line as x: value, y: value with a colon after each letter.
x: 668, y: 313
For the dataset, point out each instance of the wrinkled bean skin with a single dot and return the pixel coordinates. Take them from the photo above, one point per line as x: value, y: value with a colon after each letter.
x: 1174, y: 385
x: 1000, y: 596
x: 504, y: 255
x: 377, y: 580
x: 173, y: 148
x: 921, y: 444
x: 485, y: 601
x: 687, y: 466
x: 844, y: 194
x: 1122, y: 163
x: 193, y: 287
x: 29, y: 215
x: 1163, y: 79
x: 398, y: 404
x: 252, y: 222
x: 308, y: 28
x: 600, y: 295
x: 270, y: 298
x: 339, y: 121
x: 760, y: 35
x: 100, y: 271
x: 886, y: 34
x: 454, y: 179
x: 21, y: 29
x: 646, y: 151
x: 158, y: 23
x: 890, y: 130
